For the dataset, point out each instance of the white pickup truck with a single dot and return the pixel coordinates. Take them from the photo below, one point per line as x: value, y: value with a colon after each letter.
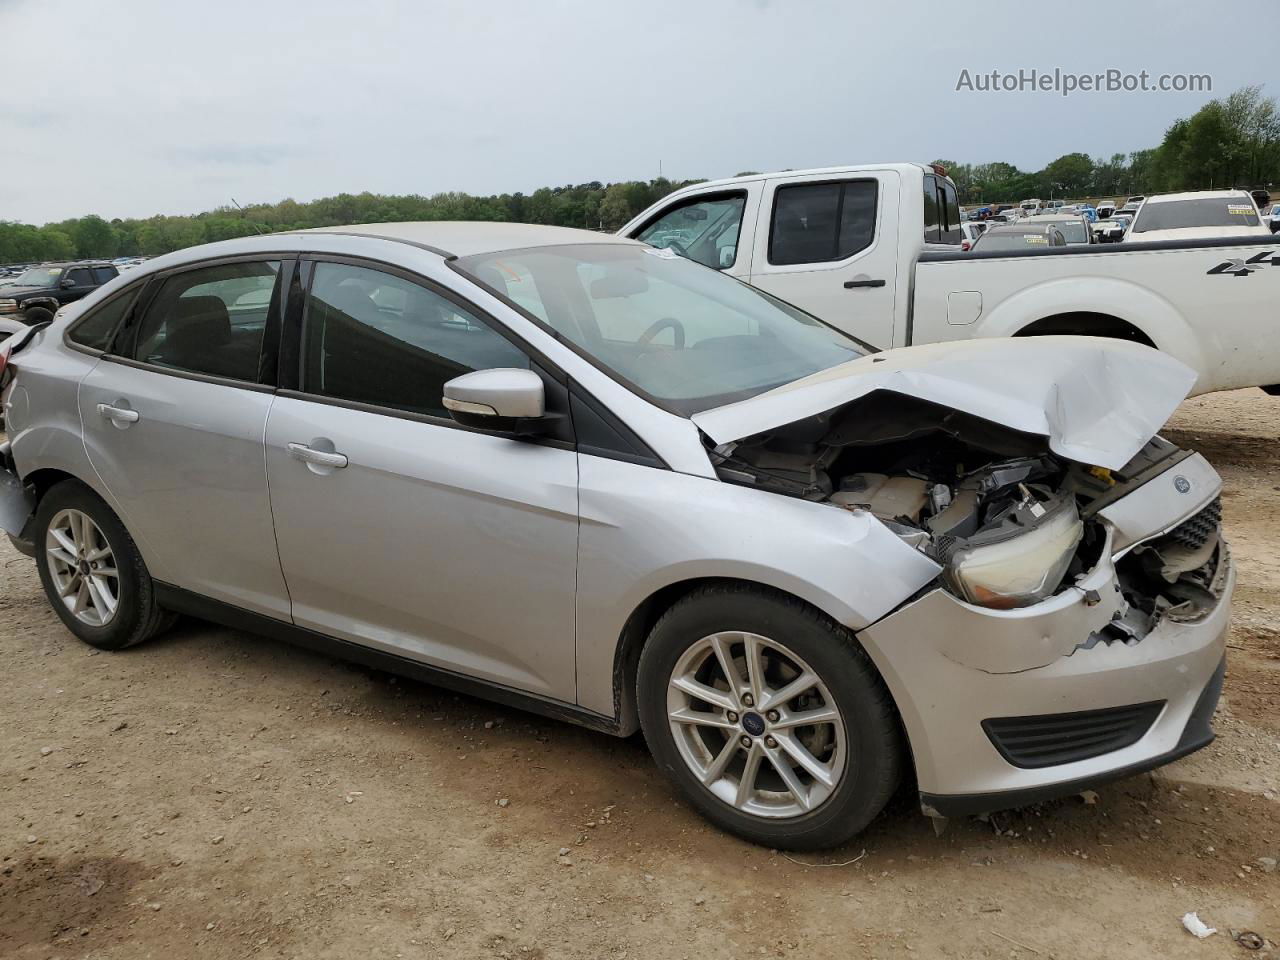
x: 875, y: 251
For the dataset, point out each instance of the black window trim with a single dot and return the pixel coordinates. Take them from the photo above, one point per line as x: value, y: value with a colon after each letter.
x: 126, y: 335
x: 132, y: 290
x: 836, y: 181
x: 691, y: 199
x: 295, y: 339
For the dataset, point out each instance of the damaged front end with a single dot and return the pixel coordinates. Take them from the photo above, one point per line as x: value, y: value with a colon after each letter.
x: 1009, y: 522
x: 1028, y: 665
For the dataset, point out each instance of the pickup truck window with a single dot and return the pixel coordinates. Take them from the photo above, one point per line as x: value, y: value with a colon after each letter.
x: 80, y: 277
x: 941, y: 211
x: 102, y: 274
x: 704, y: 229
x: 822, y: 222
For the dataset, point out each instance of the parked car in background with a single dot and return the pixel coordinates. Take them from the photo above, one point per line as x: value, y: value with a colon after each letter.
x: 1272, y: 218
x: 590, y: 478
x: 1074, y: 228
x: 1135, y: 201
x: 35, y: 295
x: 1024, y: 235
x: 1029, y: 207
x: 875, y: 251
x: 1105, y: 210
x: 1112, y: 229
x: 1200, y: 215
x: 972, y: 230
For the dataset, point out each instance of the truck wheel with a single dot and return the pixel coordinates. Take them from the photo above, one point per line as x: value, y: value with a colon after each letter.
x: 36, y: 315
x: 91, y: 570
x: 769, y: 717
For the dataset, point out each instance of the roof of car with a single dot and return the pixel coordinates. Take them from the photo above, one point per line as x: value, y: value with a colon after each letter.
x: 1200, y: 195
x: 465, y: 238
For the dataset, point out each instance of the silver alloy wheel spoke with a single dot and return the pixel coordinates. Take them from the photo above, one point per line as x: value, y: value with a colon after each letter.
x: 727, y: 712
x: 82, y: 567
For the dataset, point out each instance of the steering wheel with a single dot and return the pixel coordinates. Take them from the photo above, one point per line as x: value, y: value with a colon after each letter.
x: 677, y: 329
x: 678, y: 247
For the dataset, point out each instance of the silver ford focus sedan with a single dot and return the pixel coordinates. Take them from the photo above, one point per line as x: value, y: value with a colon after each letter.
x: 583, y: 476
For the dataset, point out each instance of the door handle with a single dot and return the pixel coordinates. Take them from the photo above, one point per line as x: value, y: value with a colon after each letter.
x: 851, y: 284
x: 321, y: 458
x: 118, y: 414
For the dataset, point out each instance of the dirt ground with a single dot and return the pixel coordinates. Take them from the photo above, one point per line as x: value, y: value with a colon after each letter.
x: 214, y: 794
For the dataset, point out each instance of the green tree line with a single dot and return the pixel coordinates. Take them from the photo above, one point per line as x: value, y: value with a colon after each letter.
x: 1234, y: 141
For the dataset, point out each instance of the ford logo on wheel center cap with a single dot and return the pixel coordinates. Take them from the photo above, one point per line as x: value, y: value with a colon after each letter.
x: 1181, y: 484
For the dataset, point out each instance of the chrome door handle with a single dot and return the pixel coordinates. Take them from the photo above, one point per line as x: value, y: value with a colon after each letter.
x: 322, y: 458
x: 118, y: 414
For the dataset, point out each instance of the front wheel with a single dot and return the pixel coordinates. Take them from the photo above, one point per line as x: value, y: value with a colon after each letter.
x: 769, y: 717
x: 91, y: 570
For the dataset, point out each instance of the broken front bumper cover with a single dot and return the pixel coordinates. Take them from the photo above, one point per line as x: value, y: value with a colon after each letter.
x: 953, y: 666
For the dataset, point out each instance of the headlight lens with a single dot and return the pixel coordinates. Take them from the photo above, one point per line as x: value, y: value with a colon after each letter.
x: 8, y: 306
x: 1022, y: 570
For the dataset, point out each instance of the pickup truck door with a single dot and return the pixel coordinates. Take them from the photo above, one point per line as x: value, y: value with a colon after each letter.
x: 830, y: 246
x: 713, y: 227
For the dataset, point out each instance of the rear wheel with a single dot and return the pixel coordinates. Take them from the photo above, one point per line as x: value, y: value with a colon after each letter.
x: 769, y: 717
x: 91, y: 570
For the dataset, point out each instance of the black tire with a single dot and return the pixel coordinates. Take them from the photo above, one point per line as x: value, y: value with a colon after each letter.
x: 137, y: 616
x: 36, y: 315
x: 875, y: 747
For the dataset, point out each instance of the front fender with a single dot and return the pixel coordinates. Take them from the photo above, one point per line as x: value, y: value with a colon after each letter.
x: 1149, y: 312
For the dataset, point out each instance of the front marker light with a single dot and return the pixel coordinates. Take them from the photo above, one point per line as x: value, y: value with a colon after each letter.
x: 1022, y: 569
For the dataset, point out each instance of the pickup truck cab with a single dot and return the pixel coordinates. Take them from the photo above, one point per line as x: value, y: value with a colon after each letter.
x: 875, y: 251
x: 35, y: 295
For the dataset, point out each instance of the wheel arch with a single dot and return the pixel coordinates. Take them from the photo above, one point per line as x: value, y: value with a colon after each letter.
x: 1086, y: 324
x: 649, y: 611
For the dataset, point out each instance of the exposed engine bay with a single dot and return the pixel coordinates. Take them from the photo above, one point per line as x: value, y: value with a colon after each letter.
x: 1010, y: 523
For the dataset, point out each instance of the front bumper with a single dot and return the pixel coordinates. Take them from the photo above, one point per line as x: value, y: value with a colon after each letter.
x: 952, y: 665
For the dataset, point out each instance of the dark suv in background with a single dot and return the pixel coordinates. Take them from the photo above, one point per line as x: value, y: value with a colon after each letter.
x: 35, y: 295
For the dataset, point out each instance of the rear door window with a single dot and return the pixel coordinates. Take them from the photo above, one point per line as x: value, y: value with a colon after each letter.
x: 97, y: 328
x: 211, y: 320
x: 822, y: 222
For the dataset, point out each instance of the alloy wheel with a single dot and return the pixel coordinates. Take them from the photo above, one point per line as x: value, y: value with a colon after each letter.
x: 82, y: 567
x: 756, y: 725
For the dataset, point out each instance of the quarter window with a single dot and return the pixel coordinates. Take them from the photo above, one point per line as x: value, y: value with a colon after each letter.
x: 211, y: 320
x: 96, y: 329
x: 704, y: 230
x: 822, y: 222
x: 375, y: 338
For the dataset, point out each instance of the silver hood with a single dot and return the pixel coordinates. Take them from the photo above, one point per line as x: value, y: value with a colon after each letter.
x: 1097, y: 401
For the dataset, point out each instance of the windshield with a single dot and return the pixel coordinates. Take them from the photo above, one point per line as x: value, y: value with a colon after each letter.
x: 688, y: 337
x: 38, y: 277
x: 1202, y: 212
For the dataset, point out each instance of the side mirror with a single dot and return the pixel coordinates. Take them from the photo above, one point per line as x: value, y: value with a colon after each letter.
x: 727, y: 256
x: 496, y: 399
x: 67, y: 283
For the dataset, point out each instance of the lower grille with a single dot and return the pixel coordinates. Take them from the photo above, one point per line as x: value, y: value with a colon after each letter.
x: 1196, y: 531
x: 1055, y: 738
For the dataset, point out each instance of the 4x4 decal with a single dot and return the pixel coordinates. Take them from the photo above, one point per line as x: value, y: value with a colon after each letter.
x: 1242, y: 268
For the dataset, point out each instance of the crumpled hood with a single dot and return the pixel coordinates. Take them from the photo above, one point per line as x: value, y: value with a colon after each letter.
x: 1097, y: 401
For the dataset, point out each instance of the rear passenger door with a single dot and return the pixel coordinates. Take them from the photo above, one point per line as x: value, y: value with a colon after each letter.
x: 174, y: 417
x: 824, y: 247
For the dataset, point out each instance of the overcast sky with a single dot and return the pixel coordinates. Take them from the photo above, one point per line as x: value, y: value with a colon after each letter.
x: 137, y: 107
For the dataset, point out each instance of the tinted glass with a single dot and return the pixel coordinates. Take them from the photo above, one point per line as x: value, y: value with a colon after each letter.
x: 949, y: 229
x: 95, y: 330
x: 80, y: 277
x: 822, y: 222
x: 1216, y: 212
x: 376, y: 338
x: 932, y: 215
x: 689, y: 337
x: 702, y: 230
x: 211, y: 320
x: 102, y: 274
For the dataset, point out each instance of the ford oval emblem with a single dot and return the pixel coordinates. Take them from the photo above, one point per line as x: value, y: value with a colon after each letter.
x: 1181, y: 484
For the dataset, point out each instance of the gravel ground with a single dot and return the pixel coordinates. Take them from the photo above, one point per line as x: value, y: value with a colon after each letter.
x: 215, y: 794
